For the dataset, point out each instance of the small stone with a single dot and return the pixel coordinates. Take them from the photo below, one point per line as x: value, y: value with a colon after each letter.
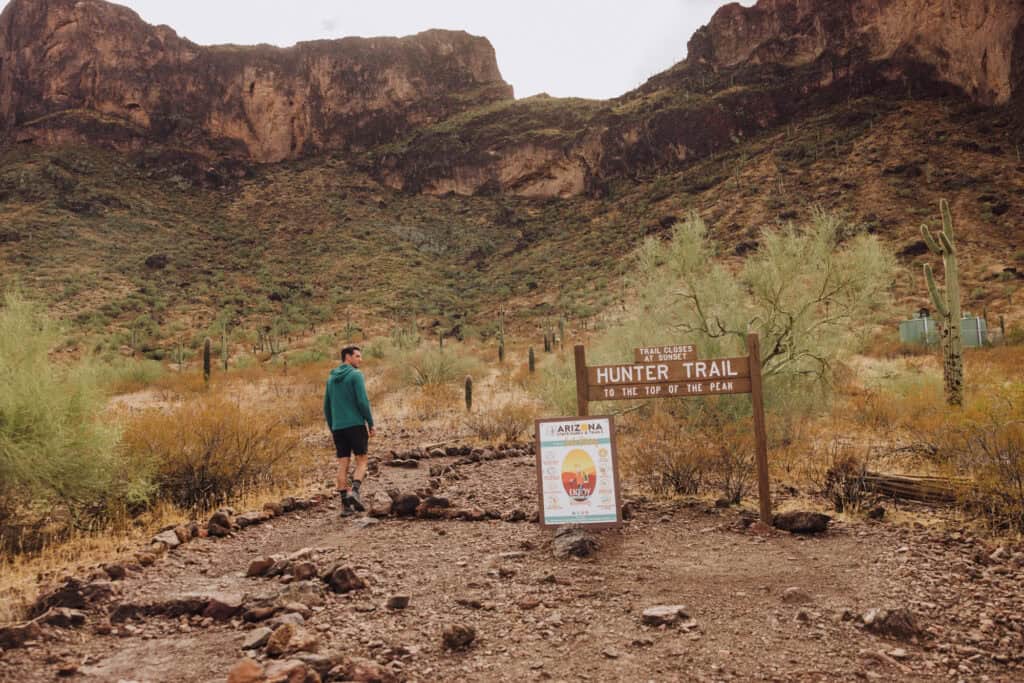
x: 288, y: 638
x: 898, y: 623
x: 611, y: 653
x: 168, y: 538
x: 273, y: 507
x: 256, y: 638
x: 260, y: 567
x: 246, y: 671
x: 63, y: 617
x: 664, y: 615
x: 290, y: 671
x: 514, y: 516
x: 898, y: 653
x: 259, y: 613
x: 344, y: 580
x: 380, y: 504
x: 224, y: 606
x: 398, y: 602
x: 304, y: 570
x: 796, y: 596
x: 221, y: 518
x: 573, y: 542
x: 16, y: 636
x: 405, y: 505
x: 528, y: 603
x: 361, y: 670
x: 217, y: 531
x: 115, y: 571
x: 183, y: 533
x: 877, y: 513
x: 247, y: 519
x: 458, y: 636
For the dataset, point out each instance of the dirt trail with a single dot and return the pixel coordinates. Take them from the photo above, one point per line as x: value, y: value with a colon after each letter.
x: 539, y: 618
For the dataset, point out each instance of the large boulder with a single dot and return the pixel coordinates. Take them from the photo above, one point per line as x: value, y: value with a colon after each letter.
x: 801, y: 522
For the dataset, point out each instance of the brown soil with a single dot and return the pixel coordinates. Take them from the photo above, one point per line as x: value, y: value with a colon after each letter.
x: 587, y: 625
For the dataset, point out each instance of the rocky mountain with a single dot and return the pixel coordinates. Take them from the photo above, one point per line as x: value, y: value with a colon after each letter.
x: 91, y: 71
x: 437, y: 114
x: 153, y: 184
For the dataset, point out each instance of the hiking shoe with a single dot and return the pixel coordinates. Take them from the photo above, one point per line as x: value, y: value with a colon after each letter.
x: 355, y: 501
x: 346, y: 506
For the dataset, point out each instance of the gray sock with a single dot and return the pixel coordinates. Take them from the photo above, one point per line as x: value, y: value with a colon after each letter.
x: 356, y: 484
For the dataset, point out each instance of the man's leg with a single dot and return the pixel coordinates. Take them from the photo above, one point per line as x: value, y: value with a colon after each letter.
x: 360, y: 473
x: 343, y: 473
x: 344, y: 450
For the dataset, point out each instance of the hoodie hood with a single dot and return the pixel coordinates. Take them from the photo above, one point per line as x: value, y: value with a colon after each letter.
x: 341, y: 372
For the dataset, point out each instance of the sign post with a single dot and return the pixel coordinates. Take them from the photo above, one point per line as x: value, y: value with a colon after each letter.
x: 675, y: 372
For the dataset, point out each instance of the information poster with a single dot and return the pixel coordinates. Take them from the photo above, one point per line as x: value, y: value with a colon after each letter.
x: 577, y: 472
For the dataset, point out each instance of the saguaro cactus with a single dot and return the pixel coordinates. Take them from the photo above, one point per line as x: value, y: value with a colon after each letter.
x: 469, y: 394
x: 948, y: 306
x: 224, y: 347
x: 206, y: 360
x: 533, y: 360
x: 501, y: 350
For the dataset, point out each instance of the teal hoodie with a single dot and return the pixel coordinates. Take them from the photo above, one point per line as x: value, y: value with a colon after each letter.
x: 345, y: 401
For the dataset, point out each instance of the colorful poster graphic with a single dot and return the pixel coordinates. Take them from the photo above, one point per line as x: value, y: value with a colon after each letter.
x: 576, y: 471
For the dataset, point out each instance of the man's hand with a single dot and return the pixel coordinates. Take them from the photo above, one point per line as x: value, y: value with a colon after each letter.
x: 372, y: 432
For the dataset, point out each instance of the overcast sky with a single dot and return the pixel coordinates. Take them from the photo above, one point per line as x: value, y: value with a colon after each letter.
x: 580, y: 48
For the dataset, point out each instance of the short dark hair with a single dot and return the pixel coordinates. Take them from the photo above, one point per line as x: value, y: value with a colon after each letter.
x: 348, y: 351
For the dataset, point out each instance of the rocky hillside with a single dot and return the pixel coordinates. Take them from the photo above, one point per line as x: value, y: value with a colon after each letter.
x: 94, y: 72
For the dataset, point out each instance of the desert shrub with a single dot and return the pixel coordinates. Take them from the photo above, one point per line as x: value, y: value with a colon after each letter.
x: 211, y: 448
x: 433, y: 400
x: 728, y: 447
x: 661, y: 454
x: 986, y: 444
x: 125, y: 375
x: 54, y: 450
x: 436, y: 366
x: 506, y: 421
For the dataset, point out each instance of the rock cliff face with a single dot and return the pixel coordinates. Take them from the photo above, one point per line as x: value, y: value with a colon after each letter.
x: 750, y: 69
x: 93, y: 71
x: 972, y: 44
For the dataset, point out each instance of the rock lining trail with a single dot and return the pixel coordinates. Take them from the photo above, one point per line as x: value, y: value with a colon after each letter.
x: 468, y: 589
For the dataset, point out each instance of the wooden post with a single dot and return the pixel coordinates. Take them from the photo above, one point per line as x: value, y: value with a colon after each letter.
x: 760, y: 433
x: 581, y: 380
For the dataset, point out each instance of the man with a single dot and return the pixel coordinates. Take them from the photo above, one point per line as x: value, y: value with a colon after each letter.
x: 347, y: 410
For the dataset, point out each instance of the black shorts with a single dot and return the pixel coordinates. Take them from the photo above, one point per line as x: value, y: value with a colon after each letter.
x: 351, y: 440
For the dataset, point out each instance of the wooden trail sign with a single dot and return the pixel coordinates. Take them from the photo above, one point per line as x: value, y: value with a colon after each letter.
x: 673, y: 372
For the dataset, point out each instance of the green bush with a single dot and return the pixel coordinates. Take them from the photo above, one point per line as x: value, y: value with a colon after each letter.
x: 435, y: 366
x: 54, y: 451
x: 808, y: 292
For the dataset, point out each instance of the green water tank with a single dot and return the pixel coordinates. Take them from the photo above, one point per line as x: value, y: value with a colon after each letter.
x: 973, y: 331
x: 920, y: 330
